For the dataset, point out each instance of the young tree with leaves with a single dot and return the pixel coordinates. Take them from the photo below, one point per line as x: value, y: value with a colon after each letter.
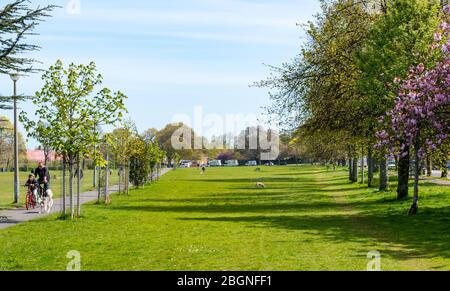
x: 120, y: 142
x: 68, y: 106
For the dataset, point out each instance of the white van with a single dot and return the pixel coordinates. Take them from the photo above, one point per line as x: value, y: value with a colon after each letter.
x: 185, y: 164
x: 232, y: 163
x: 215, y: 163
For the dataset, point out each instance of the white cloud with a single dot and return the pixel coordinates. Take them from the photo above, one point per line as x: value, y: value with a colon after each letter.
x: 233, y: 21
x: 194, y: 35
x: 209, y: 18
x: 145, y: 73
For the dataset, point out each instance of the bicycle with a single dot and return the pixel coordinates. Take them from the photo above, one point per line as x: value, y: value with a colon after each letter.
x: 31, y: 202
x: 30, y: 199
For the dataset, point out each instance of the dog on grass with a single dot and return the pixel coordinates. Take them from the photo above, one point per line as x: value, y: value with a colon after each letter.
x: 260, y: 185
x: 46, y: 202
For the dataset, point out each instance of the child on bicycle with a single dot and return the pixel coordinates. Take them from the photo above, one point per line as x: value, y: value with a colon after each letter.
x: 33, y: 186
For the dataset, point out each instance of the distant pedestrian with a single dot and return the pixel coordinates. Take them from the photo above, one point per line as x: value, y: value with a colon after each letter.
x: 203, y: 170
x: 81, y: 174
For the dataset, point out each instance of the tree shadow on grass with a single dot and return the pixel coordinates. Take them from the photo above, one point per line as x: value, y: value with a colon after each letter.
x: 244, y: 202
x: 226, y: 206
x: 371, y: 222
x: 250, y: 180
x: 297, y: 203
x: 297, y: 173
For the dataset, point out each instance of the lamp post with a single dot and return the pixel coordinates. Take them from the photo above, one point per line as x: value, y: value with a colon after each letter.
x: 15, y: 77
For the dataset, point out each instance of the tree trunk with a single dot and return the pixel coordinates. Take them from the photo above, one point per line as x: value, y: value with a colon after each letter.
x: 363, y: 178
x: 350, y: 170
x: 99, y: 184
x: 78, y: 186
x: 444, y: 173
x: 127, y: 180
x: 403, y: 177
x: 384, y: 178
x: 120, y: 180
x: 63, y: 192
x: 107, y: 178
x: 152, y: 170
x: 429, y: 166
x: 370, y: 167
x: 415, y: 206
x: 71, y: 187
x: 45, y: 158
x: 355, y: 170
x: 94, y: 178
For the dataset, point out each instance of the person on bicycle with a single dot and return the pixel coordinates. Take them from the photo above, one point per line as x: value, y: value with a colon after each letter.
x: 43, y: 176
x: 33, y: 186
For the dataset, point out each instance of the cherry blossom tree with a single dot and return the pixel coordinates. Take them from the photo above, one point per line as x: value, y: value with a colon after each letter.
x: 421, y: 116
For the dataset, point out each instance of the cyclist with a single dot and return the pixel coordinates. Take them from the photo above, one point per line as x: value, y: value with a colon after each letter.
x: 33, y: 186
x: 43, y: 176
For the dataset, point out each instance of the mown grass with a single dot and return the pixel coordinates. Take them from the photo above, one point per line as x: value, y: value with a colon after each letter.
x: 305, y: 219
x: 7, y: 185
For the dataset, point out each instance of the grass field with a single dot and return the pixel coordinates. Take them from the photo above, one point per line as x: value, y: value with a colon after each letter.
x: 305, y: 219
x: 7, y: 185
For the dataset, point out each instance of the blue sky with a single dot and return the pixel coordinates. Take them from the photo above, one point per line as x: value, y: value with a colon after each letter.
x: 171, y: 55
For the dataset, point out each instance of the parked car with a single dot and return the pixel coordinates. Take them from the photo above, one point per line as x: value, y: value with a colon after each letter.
x: 231, y: 163
x: 185, y: 164
x: 251, y: 164
x: 215, y: 163
x: 269, y: 164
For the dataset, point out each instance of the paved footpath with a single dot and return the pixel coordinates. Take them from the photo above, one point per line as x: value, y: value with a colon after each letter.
x: 9, y: 218
x: 436, y: 179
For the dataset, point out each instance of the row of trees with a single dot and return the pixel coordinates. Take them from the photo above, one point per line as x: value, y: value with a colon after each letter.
x: 69, y: 109
x: 138, y: 156
x: 246, y: 145
x: 348, y: 76
x: 7, y: 144
x: 17, y: 21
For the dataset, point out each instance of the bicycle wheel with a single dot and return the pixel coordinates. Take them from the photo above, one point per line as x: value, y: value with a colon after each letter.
x: 28, y: 202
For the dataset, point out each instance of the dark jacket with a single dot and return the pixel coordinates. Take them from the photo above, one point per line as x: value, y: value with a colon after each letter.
x: 34, y: 184
x: 41, y: 174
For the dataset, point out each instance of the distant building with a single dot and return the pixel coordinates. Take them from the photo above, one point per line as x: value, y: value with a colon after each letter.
x: 38, y: 156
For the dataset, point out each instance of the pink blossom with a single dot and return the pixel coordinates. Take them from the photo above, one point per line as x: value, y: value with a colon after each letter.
x: 438, y: 36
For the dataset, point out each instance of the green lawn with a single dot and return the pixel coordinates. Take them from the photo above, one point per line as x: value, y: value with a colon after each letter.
x: 7, y: 185
x: 306, y: 219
